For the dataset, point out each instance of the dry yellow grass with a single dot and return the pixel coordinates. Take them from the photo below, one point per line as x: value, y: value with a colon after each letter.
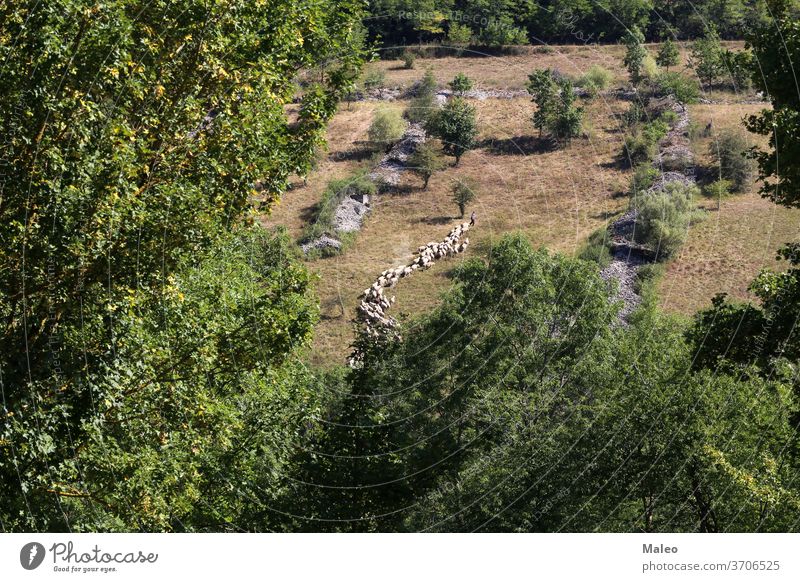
x: 557, y: 197
x: 724, y: 252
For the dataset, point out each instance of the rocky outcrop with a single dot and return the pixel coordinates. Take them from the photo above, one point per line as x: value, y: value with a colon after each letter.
x: 676, y: 164
x: 388, y: 170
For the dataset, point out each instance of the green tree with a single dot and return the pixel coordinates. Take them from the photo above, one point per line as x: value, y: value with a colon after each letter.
x: 455, y: 126
x: 635, y: 54
x: 137, y: 136
x: 425, y: 162
x: 423, y: 105
x: 668, y: 54
x: 460, y: 84
x: 556, y: 111
x: 764, y: 333
x: 386, y: 128
x: 775, y: 47
x: 729, y: 155
x: 706, y: 58
x: 464, y: 190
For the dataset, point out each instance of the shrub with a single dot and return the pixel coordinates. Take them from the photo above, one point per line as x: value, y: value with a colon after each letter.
x: 425, y: 161
x: 635, y: 114
x: 637, y: 149
x: 423, y: 105
x: 649, y: 67
x: 644, y: 176
x: 596, y: 79
x: 387, y: 127
x: 663, y: 218
x: 408, y: 60
x: 729, y: 154
x: 718, y: 190
x: 374, y: 78
x: 460, y: 84
x: 465, y: 190
x: 646, y: 276
x: 668, y: 116
x: 655, y: 130
x: 322, y: 220
x: 597, y: 248
x: 684, y: 89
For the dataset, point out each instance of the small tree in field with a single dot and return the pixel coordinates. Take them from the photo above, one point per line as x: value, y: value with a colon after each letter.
x: 635, y: 54
x: 707, y: 58
x: 455, y: 125
x: 424, y: 103
x: 465, y: 190
x: 729, y: 154
x: 668, y: 55
x: 425, y: 161
x: 460, y: 84
x: 556, y: 111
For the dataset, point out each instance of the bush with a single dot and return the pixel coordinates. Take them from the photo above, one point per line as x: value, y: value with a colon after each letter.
x: 374, y: 78
x: 322, y: 220
x: 668, y: 116
x: 387, y: 127
x: 655, y: 130
x: 596, y: 79
x: 644, y: 176
x: 718, y: 190
x: 728, y: 153
x: 684, y: 89
x: 634, y: 115
x: 646, y: 277
x: 649, y: 68
x: 408, y: 60
x: 465, y: 190
x: 460, y: 84
x: 423, y: 105
x: 663, y: 218
x: 597, y: 248
x: 637, y: 149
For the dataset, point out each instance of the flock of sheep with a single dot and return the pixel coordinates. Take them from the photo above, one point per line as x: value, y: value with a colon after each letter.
x: 371, y: 311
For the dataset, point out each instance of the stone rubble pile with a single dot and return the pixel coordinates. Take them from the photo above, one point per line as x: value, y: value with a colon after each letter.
x: 676, y: 164
x: 388, y: 170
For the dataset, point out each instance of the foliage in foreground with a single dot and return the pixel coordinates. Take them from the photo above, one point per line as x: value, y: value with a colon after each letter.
x: 537, y: 413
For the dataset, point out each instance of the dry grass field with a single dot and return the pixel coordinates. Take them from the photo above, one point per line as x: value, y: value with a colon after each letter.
x: 557, y: 197
x: 724, y: 252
